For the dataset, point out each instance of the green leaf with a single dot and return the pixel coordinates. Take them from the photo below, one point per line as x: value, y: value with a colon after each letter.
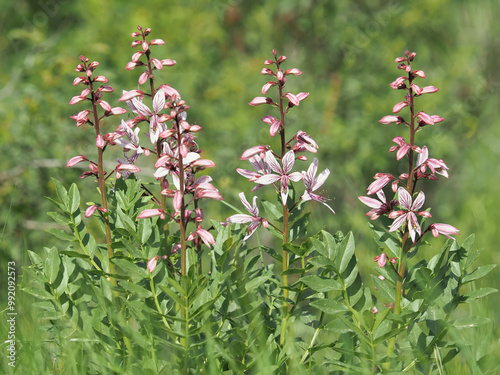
x: 62, y: 235
x: 345, y: 252
x: 471, y: 322
x: 130, y: 269
x: 59, y: 219
x: 173, y: 295
x: 298, y: 228
x: 135, y: 288
x: 385, y: 240
x: 330, y: 246
x: 38, y: 293
x: 51, y: 264
x: 388, y: 335
x: 272, y: 210
x: 73, y: 198
x: 256, y: 282
x: 144, y: 228
x: 479, y: 293
x: 478, y: 273
x: 292, y: 249
x: 329, y: 306
x: 384, y: 288
x: 34, y: 257
x: 338, y: 326
x: 322, y: 262
x: 319, y: 284
x: 62, y: 193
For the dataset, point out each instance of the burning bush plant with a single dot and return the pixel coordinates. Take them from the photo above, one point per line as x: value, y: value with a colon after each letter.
x: 158, y: 287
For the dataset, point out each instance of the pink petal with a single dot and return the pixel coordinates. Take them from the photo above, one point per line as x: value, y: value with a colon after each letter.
x: 90, y: 210
x: 205, y: 236
x: 260, y: 100
x: 268, y: 179
x: 390, y: 119
x: 239, y: 219
x: 293, y: 71
x: 151, y: 212
x: 292, y: 98
x: 129, y: 95
x: 398, y: 107
x: 128, y: 167
x: 143, y: 78
x: 75, y: 160
x: 152, y: 263
x: 404, y: 198
x: 419, y: 201
x: 370, y: 202
x: 429, y: 90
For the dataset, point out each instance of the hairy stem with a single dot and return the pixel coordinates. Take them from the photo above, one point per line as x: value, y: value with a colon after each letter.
x: 102, y: 184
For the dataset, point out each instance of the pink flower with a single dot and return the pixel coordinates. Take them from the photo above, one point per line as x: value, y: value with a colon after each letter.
x: 152, y: 212
x: 382, y: 260
x: 152, y: 263
x: 429, y: 90
x: 444, y: 229
x: 313, y: 183
x: 274, y: 123
x: 284, y: 173
x: 381, y: 179
x: 261, y: 167
x: 398, y: 107
x: 304, y: 143
x: 75, y: 160
x: 90, y: 210
x: 391, y: 119
x: 399, y: 83
x: 130, y: 168
x: 435, y: 165
x: 155, y: 125
x: 379, y: 208
x: 408, y: 214
x: 260, y: 100
x: 402, y: 147
x: 254, y: 219
x: 205, y: 236
x: 253, y: 151
x: 207, y: 190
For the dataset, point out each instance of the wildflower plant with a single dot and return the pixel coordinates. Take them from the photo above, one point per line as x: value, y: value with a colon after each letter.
x: 148, y: 284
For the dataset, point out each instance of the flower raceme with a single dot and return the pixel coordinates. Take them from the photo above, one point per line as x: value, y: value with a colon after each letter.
x: 420, y: 165
x: 171, y: 140
x: 276, y: 168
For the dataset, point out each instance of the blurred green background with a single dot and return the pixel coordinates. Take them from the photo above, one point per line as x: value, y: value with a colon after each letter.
x: 346, y: 50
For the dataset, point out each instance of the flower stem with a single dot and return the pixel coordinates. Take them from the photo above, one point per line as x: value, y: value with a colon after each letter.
x: 284, y: 320
x: 102, y: 184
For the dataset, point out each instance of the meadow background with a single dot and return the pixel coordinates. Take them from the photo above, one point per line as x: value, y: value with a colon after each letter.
x: 345, y: 49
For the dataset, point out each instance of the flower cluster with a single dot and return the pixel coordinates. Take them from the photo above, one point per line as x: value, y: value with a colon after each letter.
x: 276, y: 168
x: 172, y: 139
x: 420, y: 166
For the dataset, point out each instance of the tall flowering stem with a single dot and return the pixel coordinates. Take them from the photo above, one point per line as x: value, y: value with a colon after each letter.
x: 420, y: 166
x: 94, y: 95
x: 276, y: 169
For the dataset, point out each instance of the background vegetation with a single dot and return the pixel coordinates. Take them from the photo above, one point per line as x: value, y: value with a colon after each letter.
x: 345, y: 49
